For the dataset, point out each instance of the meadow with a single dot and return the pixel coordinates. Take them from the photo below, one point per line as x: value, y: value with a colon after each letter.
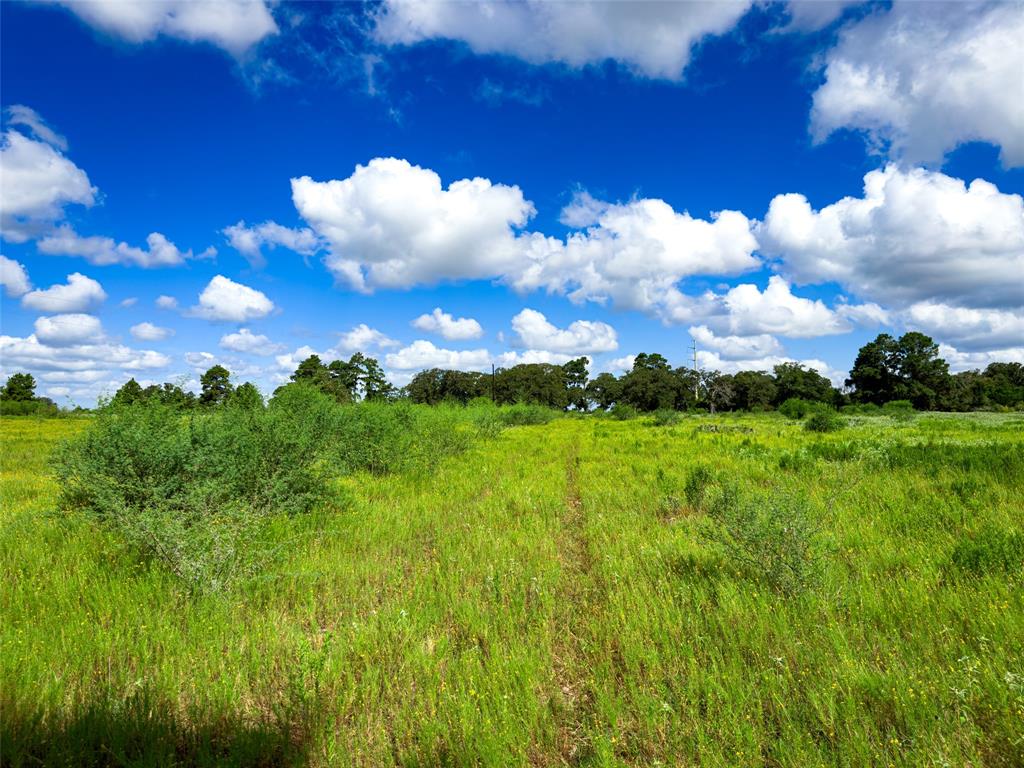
x: 726, y: 590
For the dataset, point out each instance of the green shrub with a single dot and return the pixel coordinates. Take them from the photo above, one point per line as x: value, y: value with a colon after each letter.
x: 200, y: 491
x: 898, y: 406
x: 991, y: 549
x: 196, y: 492
x: 795, y: 408
x: 523, y: 414
x: 824, y: 421
x: 861, y: 409
x: 666, y: 417
x: 623, y: 412
x: 770, y: 538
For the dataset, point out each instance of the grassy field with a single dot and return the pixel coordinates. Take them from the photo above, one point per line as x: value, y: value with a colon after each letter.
x: 556, y: 596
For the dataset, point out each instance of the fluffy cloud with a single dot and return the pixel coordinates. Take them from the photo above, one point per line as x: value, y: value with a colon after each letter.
x: 250, y: 241
x: 65, y: 330
x: 736, y: 347
x: 915, y: 235
x: 713, y: 361
x: 812, y: 15
x: 620, y: 364
x: 582, y: 336
x: 166, y: 302
x: 26, y: 117
x: 635, y: 253
x: 393, y: 225
x: 531, y: 356
x: 102, y: 251
x: 226, y: 300
x: 13, y: 277
x: 966, y: 361
x: 423, y: 354
x: 925, y: 77
x: 450, y: 328
x: 39, y: 181
x: 31, y: 353
x: 79, y: 293
x: 361, y: 338
x: 777, y: 310
x: 251, y: 343
x: 967, y: 329
x: 652, y: 39
x: 234, y: 25
x: 150, y: 332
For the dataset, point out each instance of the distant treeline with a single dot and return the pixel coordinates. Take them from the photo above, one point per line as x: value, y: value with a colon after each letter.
x: 887, y: 369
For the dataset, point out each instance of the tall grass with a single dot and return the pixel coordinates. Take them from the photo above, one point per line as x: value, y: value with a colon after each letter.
x: 534, y: 600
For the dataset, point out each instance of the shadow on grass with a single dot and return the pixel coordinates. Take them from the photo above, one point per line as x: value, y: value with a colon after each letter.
x: 142, y: 733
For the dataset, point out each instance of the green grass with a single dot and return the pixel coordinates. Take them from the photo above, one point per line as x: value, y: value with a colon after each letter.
x: 548, y: 598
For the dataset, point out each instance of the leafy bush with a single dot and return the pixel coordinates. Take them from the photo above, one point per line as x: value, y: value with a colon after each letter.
x: 200, y: 491
x: 991, y: 549
x: 824, y: 421
x: 196, y: 492
x: 861, y: 409
x: 795, y: 408
x: 898, y: 406
x: 770, y: 537
x: 523, y: 414
x: 666, y: 417
x: 623, y: 412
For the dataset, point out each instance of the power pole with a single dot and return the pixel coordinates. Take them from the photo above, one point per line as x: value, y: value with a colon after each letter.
x: 696, y: 372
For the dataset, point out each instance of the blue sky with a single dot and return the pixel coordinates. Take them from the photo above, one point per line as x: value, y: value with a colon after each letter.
x: 777, y: 181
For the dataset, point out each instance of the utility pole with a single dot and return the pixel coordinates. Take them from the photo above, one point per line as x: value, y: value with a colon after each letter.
x: 696, y: 372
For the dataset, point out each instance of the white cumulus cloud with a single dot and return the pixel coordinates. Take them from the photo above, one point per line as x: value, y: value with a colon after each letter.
x: 453, y: 329
x: 582, y: 336
x: 423, y: 354
x: 65, y: 330
x: 234, y: 25
x: 102, y: 251
x: 13, y: 277
x: 38, y: 182
x: 915, y: 235
x: 923, y: 78
x: 652, y: 39
x: 392, y: 224
x: 150, y: 332
x: 362, y: 338
x: 251, y: 343
x: 250, y: 241
x: 736, y: 347
x: 79, y: 293
x: 225, y: 300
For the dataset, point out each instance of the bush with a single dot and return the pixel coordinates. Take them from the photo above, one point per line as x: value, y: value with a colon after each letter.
x: 767, y: 537
x: 898, y: 406
x: 861, y: 409
x: 795, y: 408
x: 666, y: 417
x: 623, y: 412
x: 523, y: 414
x: 991, y: 549
x: 196, y: 492
x: 824, y: 421
x: 200, y: 491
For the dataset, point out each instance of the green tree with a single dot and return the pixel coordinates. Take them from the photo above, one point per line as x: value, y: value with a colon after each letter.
x: 794, y: 380
x: 216, y: 386
x: 576, y: 375
x: 754, y: 390
x: 20, y: 387
x: 131, y: 392
x: 651, y: 384
x: 908, y: 368
x: 248, y: 397
x: 604, y: 390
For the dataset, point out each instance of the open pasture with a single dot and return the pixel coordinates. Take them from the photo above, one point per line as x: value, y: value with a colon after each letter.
x: 571, y: 593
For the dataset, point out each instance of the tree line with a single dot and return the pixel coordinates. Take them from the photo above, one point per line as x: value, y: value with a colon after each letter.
x: 887, y: 369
